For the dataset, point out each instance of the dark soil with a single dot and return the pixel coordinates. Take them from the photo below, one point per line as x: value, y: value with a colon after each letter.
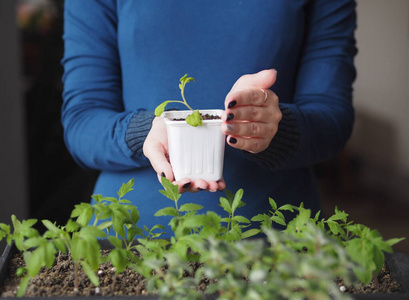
x: 204, y: 117
x: 59, y: 281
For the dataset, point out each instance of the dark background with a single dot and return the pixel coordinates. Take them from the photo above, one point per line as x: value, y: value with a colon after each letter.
x: 55, y: 181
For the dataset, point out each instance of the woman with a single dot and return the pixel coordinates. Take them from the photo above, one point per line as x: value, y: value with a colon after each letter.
x: 292, y: 110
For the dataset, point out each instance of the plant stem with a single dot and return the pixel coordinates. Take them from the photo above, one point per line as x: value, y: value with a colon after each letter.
x: 182, y: 92
x: 375, y: 280
x: 76, y: 280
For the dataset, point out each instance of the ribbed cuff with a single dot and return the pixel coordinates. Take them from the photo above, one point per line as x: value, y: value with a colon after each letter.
x: 138, y: 128
x: 282, y: 147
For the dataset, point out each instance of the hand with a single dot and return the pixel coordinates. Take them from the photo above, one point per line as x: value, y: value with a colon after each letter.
x: 155, y: 148
x: 252, y: 113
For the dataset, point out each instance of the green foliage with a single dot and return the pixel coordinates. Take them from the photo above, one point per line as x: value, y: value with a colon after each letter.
x: 299, y: 261
x: 194, y: 119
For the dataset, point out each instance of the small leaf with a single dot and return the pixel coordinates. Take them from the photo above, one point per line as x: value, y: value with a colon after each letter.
x: 22, y: 288
x: 225, y: 204
x: 90, y: 273
x: 273, y: 204
x: 241, y: 219
x: 250, y: 233
x: 161, y: 108
x: 237, y: 200
x: 288, y: 207
x: 194, y: 119
x: 260, y: 218
x: 50, y: 226
x: 125, y: 188
x: 116, y: 242
x: 72, y: 226
x: 392, y: 242
x: 190, y: 207
x: 171, y: 190
x: 278, y: 220
x: 167, y: 211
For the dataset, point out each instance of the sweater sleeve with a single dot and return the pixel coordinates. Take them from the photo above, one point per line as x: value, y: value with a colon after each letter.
x: 98, y: 131
x: 318, y: 121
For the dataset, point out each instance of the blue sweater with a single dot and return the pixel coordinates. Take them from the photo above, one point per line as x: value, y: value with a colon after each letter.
x: 123, y: 58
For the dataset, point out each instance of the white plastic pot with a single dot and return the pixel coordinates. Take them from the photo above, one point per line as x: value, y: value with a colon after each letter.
x: 195, y: 152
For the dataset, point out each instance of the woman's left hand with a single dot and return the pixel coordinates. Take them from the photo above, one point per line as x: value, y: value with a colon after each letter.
x: 252, y: 113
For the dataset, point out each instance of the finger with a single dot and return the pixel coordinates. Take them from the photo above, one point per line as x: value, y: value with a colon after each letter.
x: 250, y: 129
x: 221, y: 185
x: 202, y: 185
x: 254, y: 97
x: 252, y: 145
x: 261, y: 80
x: 184, y: 185
x: 160, y: 163
x: 246, y: 113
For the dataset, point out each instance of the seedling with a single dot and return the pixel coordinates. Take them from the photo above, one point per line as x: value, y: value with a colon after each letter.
x: 194, y: 119
x: 301, y: 261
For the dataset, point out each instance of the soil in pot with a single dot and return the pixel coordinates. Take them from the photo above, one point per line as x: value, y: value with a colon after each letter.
x: 204, y: 117
x: 59, y: 281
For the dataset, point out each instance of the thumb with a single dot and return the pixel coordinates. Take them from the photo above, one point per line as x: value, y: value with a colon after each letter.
x: 158, y: 159
x: 261, y: 80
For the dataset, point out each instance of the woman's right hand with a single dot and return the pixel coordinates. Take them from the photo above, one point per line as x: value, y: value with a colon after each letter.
x: 155, y: 148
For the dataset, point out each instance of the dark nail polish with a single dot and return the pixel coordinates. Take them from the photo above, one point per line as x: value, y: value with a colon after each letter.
x: 200, y: 189
x: 229, y: 117
x: 163, y: 174
x: 186, y: 185
x: 232, y: 140
x: 232, y: 104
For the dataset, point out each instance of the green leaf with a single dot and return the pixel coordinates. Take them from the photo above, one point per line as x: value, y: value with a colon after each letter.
x: 72, y: 226
x: 22, y: 288
x: 171, y: 190
x: 83, y: 212
x: 167, y: 211
x: 334, y: 227
x: 225, y: 204
x: 273, y: 204
x: 161, y: 108
x: 125, y: 188
x: 110, y: 199
x: 92, y: 232
x: 260, y: 218
x: 278, y: 220
x: 339, y: 215
x: 241, y: 219
x: 104, y: 225
x: 190, y: 207
x: 250, y: 233
x: 287, y: 207
x: 184, y: 79
x: 50, y: 226
x: 115, y: 241
x: 237, y: 200
x: 394, y: 241
x: 194, y: 119
x: 90, y: 273
x: 134, y: 231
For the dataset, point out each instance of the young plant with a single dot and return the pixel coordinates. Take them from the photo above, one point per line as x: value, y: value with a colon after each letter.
x: 365, y: 246
x: 194, y: 119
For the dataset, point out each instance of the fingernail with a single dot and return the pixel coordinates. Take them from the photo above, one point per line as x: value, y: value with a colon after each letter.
x: 232, y: 140
x: 230, y: 117
x: 212, y: 191
x: 232, y: 104
x: 201, y: 189
x: 229, y: 127
x: 186, y: 185
x: 163, y: 174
